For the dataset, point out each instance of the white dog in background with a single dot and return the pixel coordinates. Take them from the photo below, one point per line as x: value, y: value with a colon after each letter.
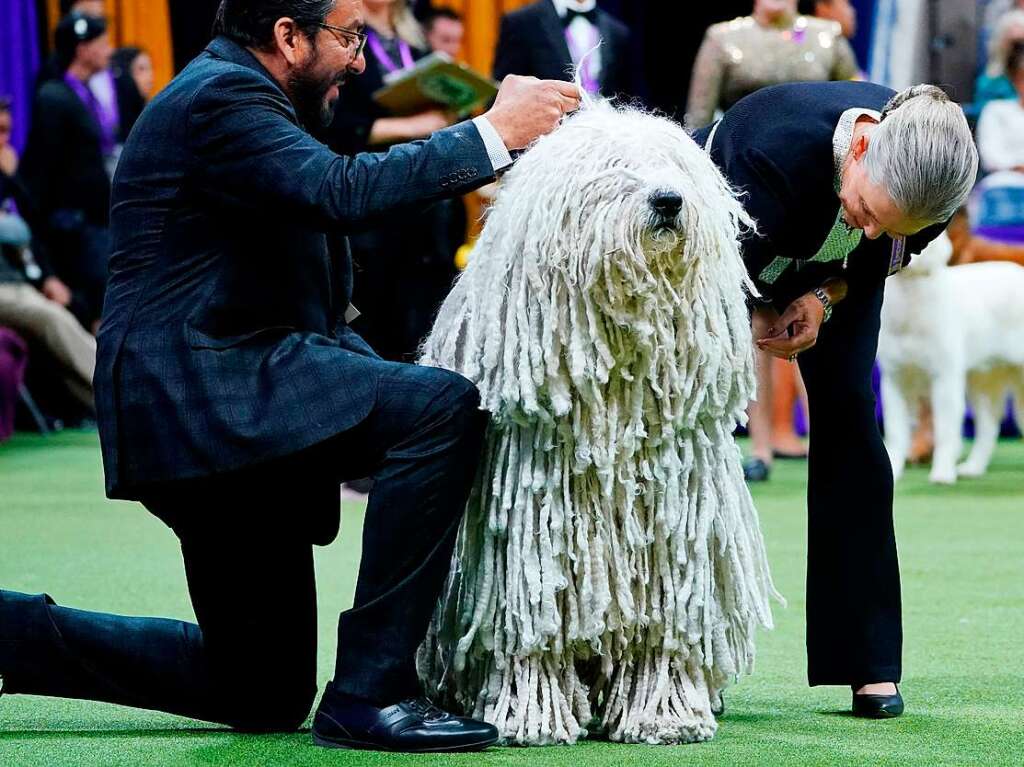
x: 951, y: 334
x: 610, y: 572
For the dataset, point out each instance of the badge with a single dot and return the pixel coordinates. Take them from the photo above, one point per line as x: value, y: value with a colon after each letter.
x: 899, y: 249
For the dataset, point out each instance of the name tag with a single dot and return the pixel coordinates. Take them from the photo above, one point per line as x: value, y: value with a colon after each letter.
x: 899, y: 249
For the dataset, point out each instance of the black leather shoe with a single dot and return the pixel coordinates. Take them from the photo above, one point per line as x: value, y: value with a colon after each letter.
x: 878, y: 706
x: 412, y: 726
x: 756, y: 470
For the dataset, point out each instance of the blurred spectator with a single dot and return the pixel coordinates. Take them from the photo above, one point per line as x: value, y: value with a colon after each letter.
x: 32, y: 300
x: 132, y: 69
x: 13, y: 355
x: 840, y: 11
x: 444, y: 31
x: 772, y: 46
x: 403, y: 272
x: 550, y: 38
x: 65, y: 164
x: 1001, y: 128
x: 969, y: 248
x: 994, y: 83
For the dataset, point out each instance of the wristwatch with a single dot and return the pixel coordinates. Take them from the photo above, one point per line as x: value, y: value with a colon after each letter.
x: 822, y: 296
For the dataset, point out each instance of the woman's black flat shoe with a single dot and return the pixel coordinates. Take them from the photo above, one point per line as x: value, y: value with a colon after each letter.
x: 878, y: 706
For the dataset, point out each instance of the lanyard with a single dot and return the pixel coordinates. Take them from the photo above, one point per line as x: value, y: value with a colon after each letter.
x: 104, y: 120
x: 373, y: 39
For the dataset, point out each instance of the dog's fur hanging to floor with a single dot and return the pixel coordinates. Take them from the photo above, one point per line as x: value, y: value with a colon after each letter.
x: 951, y: 334
x: 610, y: 572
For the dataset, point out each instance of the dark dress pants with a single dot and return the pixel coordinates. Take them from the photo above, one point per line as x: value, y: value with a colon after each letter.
x: 854, y: 629
x: 250, y: 661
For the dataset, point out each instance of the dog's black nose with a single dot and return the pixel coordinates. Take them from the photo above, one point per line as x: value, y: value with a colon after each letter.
x: 667, y: 204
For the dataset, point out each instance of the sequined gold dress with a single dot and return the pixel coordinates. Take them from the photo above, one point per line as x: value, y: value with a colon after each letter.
x: 741, y: 56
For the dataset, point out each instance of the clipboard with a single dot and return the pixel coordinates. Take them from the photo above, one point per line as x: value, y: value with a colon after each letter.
x: 435, y: 82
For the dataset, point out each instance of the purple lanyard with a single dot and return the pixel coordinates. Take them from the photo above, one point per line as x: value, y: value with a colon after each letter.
x: 587, y: 77
x: 373, y: 39
x: 104, y: 120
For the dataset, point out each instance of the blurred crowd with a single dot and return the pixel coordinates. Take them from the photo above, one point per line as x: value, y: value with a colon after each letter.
x: 54, y: 198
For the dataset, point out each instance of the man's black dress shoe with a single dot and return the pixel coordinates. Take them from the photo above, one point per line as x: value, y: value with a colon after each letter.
x: 878, y: 706
x: 412, y: 726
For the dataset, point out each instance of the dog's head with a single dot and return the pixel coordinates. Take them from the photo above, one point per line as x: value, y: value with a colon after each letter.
x: 611, y: 254
x: 621, y: 190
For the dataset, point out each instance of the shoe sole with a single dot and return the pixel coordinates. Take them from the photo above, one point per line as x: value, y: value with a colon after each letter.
x: 363, y: 746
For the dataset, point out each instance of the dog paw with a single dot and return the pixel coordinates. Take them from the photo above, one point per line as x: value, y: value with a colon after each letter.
x: 968, y: 469
x: 942, y: 477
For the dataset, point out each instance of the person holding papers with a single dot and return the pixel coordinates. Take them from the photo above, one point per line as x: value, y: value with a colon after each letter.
x: 403, y: 272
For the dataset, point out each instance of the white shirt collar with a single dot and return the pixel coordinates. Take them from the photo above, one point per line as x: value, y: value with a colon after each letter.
x: 842, y: 139
x: 563, y: 6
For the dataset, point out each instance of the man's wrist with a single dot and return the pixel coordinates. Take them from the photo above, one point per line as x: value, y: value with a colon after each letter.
x: 496, y: 149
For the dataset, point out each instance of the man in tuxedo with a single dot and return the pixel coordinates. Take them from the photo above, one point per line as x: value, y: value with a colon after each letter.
x: 550, y: 38
x: 233, y: 398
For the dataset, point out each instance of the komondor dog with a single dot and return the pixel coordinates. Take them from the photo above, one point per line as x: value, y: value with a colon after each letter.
x: 610, y: 572
x: 951, y: 334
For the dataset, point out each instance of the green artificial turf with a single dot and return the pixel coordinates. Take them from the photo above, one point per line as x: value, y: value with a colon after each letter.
x: 962, y: 552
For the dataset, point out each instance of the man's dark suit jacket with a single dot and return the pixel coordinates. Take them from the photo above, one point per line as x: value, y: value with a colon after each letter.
x: 775, y: 147
x: 532, y: 42
x: 223, y: 342
x: 63, y: 166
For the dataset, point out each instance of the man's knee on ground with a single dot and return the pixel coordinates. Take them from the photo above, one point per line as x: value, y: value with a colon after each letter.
x: 269, y: 707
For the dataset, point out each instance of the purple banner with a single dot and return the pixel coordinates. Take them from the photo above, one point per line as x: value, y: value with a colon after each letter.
x: 19, y: 61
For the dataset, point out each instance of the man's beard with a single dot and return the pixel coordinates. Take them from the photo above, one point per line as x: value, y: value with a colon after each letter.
x: 309, y: 95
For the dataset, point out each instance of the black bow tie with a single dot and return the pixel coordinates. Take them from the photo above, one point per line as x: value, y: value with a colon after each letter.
x: 572, y: 13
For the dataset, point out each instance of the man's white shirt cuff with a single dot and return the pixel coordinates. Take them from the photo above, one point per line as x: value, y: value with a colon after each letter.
x: 496, y: 149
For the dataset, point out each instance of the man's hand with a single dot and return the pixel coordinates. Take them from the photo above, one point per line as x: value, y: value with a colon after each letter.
x: 56, y: 291
x: 804, y: 316
x: 527, y: 108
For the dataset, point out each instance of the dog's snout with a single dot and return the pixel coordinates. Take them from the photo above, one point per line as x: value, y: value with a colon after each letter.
x: 667, y: 203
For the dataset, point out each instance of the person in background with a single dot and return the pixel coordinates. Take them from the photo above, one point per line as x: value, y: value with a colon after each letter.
x: 993, y: 83
x: 773, y: 45
x: 550, y: 38
x: 33, y: 301
x: 444, y: 31
x: 102, y: 83
x: 1001, y: 127
x: 65, y: 166
x: 133, y: 77
x: 840, y: 11
x: 403, y: 272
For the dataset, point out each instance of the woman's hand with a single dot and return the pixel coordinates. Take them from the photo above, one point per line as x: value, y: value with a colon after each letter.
x: 391, y: 130
x: 804, y: 317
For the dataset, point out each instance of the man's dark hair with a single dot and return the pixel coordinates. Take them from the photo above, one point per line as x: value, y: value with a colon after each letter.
x: 808, y: 7
x: 251, y: 22
x: 431, y: 15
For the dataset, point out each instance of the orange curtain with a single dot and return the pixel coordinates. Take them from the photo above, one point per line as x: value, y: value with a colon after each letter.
x: 482, y: 18
x: 146, y: 24
x: 143, y: 23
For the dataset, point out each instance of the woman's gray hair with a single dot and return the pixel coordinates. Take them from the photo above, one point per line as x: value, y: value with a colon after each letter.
x: 922, y: 152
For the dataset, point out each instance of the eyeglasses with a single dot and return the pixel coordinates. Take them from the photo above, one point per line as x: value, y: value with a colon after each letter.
x: 347, y: 35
